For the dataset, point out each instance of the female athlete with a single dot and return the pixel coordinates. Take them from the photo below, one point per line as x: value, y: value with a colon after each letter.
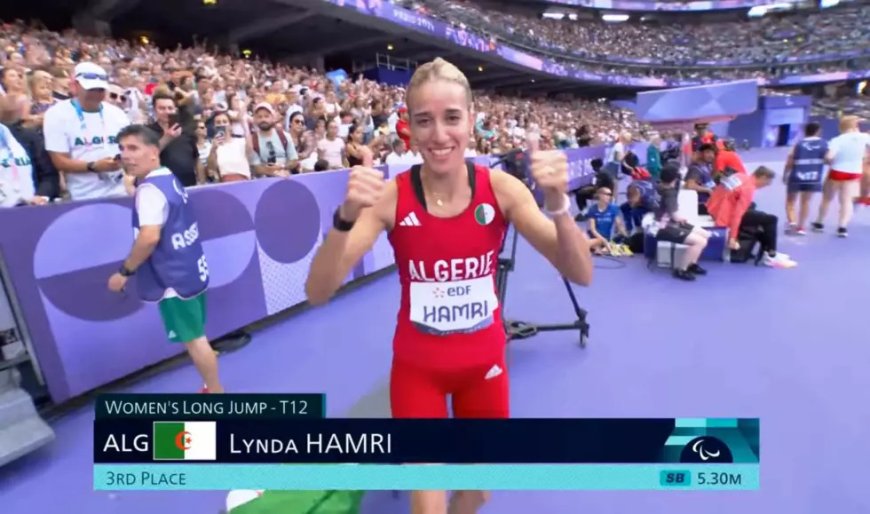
x: 446, y: 222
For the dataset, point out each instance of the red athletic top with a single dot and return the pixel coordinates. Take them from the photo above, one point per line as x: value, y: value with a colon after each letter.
x: 449, y: 315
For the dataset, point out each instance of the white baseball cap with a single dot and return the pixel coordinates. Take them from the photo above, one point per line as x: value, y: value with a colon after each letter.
x: 91, y: 76
x: 264, y: 105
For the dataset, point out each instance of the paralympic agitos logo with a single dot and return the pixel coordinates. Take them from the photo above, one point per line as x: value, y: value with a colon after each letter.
x: 706, y: 450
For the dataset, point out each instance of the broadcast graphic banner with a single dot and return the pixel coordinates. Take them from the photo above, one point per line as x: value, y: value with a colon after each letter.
x: 281, y: 479
x: 443, y: 441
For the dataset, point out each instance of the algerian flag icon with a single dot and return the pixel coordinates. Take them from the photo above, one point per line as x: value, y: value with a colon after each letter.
x: 190, y: 440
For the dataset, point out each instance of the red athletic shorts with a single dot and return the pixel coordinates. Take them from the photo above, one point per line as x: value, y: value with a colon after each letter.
x: 477, y: 391
x: 841, y: 176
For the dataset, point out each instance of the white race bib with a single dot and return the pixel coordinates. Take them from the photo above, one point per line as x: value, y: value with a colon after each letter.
x: 443, y: 308
x: 731, y: 182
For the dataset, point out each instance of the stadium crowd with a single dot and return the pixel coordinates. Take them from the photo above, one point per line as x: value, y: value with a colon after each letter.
x: 301, y: 120
x: 767, y: 41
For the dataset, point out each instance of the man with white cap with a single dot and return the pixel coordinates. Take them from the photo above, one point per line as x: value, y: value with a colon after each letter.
x: 81, y: 136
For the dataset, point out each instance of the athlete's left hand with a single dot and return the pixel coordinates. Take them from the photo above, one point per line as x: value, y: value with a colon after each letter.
x: 117, y: 282
x: 549, y: 169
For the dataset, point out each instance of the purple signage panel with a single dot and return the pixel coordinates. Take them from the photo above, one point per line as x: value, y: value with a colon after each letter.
x: 259, y: 238
x: 699, y: 102
x: 470, y: 38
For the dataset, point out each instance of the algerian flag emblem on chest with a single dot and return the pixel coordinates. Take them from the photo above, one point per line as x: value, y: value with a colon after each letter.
x: 484, y: 214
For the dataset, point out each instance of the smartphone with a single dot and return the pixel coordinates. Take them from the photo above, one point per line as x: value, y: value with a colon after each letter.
x: 173, y: 119
x: 220, y: 132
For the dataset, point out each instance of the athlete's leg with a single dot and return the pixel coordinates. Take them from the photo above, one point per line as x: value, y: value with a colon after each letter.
x: 804, y: 214
x: 790, y: 198
x: 205, y: 360
x: 184, y: 320
x: 695, y: 243
x: 418, y: 393
x: 848, y: 191
x: 484, y: 393
x: 829, y: 191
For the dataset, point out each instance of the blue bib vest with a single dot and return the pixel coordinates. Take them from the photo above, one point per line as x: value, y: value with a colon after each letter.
x: 178, y: 261
x: 648, y: 195
x: 705, y: 179
x: 809, y: 161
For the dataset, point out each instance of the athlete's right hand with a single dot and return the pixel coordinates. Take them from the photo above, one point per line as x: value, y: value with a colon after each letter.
x: 365, y: 186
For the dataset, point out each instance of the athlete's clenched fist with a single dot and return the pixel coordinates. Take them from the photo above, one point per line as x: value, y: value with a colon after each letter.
x: 365, y: 186
x: 549, y: 169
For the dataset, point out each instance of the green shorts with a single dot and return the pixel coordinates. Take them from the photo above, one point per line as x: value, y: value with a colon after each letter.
x: 184, y: 319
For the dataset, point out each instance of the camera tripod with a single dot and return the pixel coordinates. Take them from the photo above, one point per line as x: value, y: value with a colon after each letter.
x: 516, y: 329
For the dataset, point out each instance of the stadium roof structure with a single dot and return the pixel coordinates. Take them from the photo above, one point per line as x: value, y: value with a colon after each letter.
x: 296, y: 30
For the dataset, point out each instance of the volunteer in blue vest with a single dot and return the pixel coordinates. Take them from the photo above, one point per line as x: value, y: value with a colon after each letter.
x: 167, y: 258
x: 641, y: 198
x: 804, y: 171
x: 699, y: 176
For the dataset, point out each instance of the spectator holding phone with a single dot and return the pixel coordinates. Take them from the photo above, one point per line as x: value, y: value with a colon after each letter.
x: 178, y: 143
x: 81, y: 136
x: 228, y: 158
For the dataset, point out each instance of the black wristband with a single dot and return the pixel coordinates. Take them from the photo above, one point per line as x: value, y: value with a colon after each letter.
x: 340, y: 224
x: 126, y: 272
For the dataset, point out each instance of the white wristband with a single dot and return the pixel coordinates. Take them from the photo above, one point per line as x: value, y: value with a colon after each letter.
x: 565, y: 209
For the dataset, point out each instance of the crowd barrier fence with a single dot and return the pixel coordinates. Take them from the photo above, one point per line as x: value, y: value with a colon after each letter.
x: 259, y: 238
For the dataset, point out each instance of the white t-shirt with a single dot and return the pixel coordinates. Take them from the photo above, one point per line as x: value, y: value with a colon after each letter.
x: 153, y: 208
x: 16, y: 171
x: 331, y: 151
x: 616, y: 152
x: 406, y: 158
x: 232, y: 157
x: 848, y: 151
x: 91, y: 137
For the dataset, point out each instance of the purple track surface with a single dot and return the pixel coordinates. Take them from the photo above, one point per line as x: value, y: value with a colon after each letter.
x: 788, y: 346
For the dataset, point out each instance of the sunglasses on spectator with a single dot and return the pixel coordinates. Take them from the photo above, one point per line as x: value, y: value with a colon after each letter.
x: 115, y: 96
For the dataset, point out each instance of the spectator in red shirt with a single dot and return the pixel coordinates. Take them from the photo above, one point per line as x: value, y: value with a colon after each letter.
x: 703, y: 136
x: 726, y: 158
x: 403, y: 128
x: 730, y: 206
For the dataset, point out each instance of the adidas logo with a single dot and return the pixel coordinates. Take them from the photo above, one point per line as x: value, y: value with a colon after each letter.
x: 493, y: 372
x: 410, y: 221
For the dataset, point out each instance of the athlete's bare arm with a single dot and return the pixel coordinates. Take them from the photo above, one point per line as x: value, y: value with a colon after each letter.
x: 559, y: 240
x: 371, y: 205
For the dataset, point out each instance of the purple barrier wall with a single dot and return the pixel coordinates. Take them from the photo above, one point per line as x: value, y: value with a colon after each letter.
x: 259, y: 237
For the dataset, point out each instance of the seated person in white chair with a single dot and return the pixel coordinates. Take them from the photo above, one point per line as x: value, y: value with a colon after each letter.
x: 603, y: 222
x: 670, y: 227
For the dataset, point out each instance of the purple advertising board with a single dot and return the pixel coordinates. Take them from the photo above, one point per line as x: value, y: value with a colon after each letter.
x: 476, y: 40
x: 692, y: 103
x: 259, y: 238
